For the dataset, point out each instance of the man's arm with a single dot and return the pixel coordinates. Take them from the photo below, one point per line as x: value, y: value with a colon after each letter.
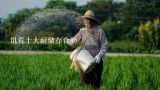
x: 74, y: 40
x: 103, y: 49
x: 104, y: 42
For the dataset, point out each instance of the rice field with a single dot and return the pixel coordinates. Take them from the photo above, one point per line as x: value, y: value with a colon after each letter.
x: 52, y: 72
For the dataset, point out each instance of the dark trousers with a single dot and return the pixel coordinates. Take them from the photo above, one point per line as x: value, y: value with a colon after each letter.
x: 93, y: 78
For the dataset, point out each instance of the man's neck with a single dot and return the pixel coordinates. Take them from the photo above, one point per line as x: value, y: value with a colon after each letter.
x: 88, y: 29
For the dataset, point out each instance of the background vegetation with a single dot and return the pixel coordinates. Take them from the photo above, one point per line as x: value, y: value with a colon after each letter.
x: 134, y: 24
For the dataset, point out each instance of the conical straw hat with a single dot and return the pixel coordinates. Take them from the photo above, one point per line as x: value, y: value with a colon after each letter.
x: 90, y: 14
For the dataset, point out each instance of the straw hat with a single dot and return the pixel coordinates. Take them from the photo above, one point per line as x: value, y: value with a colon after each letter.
x: 90, y: 14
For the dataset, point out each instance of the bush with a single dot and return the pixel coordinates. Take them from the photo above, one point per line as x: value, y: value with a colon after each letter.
x: 56, y: 47
x: 125, y: 47
x: 115, y: 30
x: 5, y: 45
x: 149, y: 34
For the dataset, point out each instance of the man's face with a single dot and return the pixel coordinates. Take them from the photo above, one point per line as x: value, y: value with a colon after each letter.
x: 87, y: 23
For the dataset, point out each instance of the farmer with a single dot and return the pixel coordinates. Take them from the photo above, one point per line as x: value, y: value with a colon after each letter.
x: 95, y: 44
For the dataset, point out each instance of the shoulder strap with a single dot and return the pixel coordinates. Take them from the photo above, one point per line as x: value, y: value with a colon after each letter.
x: 83, y: 42
x: 82, y: 45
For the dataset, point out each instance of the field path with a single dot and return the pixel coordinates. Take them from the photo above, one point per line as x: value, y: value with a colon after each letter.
x: 67, y: 53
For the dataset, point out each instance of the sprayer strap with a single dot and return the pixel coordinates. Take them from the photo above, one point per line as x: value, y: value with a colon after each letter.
x: 81, y: 46
x: 83, y: 42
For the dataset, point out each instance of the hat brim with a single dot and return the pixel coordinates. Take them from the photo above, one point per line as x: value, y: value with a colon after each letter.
x: 92, y: 19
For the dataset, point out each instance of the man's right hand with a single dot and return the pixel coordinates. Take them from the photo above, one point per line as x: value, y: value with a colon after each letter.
x: 72, y: 41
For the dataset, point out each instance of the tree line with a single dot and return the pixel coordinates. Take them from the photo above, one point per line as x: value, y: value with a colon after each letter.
x: 130, y: 26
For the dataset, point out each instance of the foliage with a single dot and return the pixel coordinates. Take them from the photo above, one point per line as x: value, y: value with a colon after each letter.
x: 54, y: 4
x: 149, y: 34
x: 140, y: 10
x: 14, y: 20
x: 5, y: 45
x: 104, y: 8
x: 114, y: 30
x: 119, y: 20
x: 132, y: 35
x: 2, y: 34
x: 125, y: 46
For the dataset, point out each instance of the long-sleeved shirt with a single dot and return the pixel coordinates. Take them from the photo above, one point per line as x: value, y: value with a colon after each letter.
x: 95, y: 43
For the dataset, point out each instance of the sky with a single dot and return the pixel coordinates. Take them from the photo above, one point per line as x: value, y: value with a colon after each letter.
x: 11, y: 6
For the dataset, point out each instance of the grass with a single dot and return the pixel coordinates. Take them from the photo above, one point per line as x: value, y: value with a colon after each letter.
x: 51, y: 72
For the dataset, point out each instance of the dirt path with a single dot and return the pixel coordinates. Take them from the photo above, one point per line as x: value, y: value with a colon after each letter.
x: 67, y: 53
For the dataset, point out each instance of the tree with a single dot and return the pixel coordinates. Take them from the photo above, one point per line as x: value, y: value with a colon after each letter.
x: 61, y: 4
x: 149, y: 34
x: 55, y: 4
x: 70, y: 5
x: 113, y: 31
x: 0, y: 24
x: 1, y: 29
x: 14, y: 20
x: 104, y: 9
x: 135, y: 11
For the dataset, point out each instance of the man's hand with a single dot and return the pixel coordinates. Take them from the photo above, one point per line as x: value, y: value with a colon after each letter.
x: 72, y: 41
